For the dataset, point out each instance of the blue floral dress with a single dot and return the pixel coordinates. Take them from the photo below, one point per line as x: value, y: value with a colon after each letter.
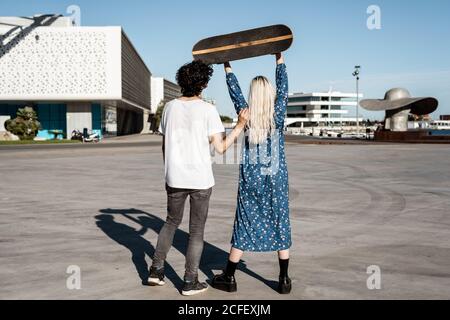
x: 262, y: 212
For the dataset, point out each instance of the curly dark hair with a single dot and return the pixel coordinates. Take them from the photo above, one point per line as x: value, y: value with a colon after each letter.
x: 193, y: 78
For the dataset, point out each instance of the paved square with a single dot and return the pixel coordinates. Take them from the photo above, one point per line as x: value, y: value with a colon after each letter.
x: 352, y: 206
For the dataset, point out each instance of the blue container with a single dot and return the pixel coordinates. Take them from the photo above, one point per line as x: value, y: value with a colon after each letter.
x: 439, y: 132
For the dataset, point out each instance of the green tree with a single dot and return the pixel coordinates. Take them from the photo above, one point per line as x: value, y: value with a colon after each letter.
x: 25, y: 125
x: 159, y: 112
x: 226, y: 119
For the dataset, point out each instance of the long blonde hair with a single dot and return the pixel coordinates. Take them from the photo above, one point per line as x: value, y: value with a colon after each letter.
x: 262, y: 107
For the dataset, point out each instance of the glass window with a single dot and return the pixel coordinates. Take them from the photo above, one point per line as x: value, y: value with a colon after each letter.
x: 52, y: 116
x: 296, y: 108
x: 297, y: 115
x: 300, y: 99
x: 96, y: 116
x: 10, y: 110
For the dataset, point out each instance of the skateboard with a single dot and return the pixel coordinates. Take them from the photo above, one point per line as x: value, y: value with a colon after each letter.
x: 244, y: 44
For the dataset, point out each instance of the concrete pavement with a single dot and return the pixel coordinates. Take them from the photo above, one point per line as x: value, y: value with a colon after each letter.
x: 352, y: 206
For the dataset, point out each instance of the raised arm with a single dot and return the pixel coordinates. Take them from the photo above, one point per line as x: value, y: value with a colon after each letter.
x: 282, y: 91
x: 235, y: 90
x: 221, y: 143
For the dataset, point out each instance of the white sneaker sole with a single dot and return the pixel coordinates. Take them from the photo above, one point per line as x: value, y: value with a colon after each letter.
x: 155, y: 282
x: 193, y: 292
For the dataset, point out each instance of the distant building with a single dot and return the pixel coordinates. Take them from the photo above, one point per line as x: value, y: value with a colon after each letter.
x: 440, y: 124
x: 163, y: 90
x: 321, y: 109
x: 74, y: 77
x: 209, y: 100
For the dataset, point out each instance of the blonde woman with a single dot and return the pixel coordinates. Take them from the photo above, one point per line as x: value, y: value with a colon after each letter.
x: 262, y: 213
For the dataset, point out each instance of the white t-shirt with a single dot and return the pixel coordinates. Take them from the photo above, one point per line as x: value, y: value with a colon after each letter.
x: 187, y: 127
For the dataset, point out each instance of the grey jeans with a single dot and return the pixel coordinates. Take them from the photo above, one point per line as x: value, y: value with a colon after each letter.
x: 199, y: 205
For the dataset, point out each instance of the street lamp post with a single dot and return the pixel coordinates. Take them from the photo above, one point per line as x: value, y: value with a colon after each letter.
x: 356, y: 75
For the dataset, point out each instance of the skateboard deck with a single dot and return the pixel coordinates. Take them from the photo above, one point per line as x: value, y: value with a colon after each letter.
x: 244, y: 44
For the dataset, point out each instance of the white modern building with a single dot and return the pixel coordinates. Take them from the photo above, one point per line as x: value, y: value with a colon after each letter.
x: 163, y: 91
x: 440, y: 124
x: 74, y: 77
x: 321, y: 109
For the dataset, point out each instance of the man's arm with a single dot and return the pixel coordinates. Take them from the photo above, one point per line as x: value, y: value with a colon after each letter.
x: 164, y: 148
x: 221, y: 143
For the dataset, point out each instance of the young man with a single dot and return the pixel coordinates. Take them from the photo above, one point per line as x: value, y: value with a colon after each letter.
x: 189, y: 125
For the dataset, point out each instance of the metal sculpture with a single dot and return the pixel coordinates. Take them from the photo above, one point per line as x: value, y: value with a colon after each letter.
x: 398, y: 104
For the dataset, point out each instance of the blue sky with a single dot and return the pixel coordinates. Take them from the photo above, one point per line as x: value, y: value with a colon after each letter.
x: 411, y: 49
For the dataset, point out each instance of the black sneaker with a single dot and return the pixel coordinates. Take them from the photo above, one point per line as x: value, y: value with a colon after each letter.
x: 285, y: 285
x: 224, y: 283
x: 193, y: 287
x: 156, y: 277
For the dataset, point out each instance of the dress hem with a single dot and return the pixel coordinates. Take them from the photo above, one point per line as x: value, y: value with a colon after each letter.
x: 261, y: 250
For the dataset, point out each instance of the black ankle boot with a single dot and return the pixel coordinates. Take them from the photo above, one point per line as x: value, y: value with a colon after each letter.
x: 224, y: 283
x: 285, y: 285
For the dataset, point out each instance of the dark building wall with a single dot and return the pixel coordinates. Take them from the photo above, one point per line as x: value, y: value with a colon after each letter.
x: 135, y: 75
x: 171, y: 90
x: 9, y: 109
x: 96, y: 116
x: 52, y: 116
x: 444, y: 118
x: 129, y: 121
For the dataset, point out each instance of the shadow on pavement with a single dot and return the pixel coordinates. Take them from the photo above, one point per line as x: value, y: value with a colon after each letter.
x: 213, y: 257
